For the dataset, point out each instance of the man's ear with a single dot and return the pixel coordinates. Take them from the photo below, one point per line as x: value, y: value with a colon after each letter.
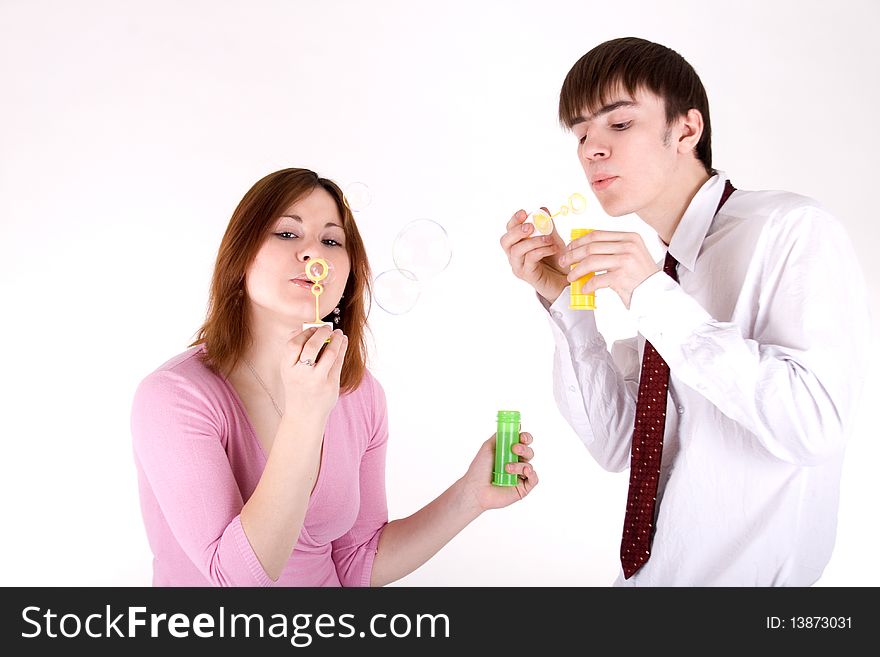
x: 691, y: 129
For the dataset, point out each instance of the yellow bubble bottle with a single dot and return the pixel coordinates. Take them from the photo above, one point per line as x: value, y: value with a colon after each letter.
x: 579, y: 300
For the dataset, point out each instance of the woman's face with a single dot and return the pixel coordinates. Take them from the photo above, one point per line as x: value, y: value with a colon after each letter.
x: 277, y: 283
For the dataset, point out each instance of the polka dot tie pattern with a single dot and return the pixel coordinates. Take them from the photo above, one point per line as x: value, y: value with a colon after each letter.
x: 647, y: 450
x: 647, y: 447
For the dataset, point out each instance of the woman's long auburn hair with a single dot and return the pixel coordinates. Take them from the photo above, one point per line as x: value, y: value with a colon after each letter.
x: 226, y: 332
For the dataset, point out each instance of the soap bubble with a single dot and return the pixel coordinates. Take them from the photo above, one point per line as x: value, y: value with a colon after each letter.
x: 422, y: 248
x: 396, y: 291
x: 357, y: 196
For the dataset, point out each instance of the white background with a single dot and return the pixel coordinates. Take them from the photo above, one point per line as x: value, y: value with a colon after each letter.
x: 130, y: 130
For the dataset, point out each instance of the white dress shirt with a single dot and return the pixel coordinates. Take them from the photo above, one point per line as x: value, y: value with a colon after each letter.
x: 765, y: 337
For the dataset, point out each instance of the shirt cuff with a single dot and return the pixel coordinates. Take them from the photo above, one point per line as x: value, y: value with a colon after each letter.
x: 370, y: 551
x: 572, y: 322
x: 665, y: 314
x: 247, y: 554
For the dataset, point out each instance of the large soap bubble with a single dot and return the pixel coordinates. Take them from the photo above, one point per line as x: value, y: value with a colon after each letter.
x: 422, y: 248
x: 396, y: 291
x: 357, y: 196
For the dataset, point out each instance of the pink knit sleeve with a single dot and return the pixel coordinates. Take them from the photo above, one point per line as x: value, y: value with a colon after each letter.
x: 354, y: 552
x: 177, y: 437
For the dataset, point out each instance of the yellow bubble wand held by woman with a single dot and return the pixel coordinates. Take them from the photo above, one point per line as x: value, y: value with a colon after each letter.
x: 317, y: 270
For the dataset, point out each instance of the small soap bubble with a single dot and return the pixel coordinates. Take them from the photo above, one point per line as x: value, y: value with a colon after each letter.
x: 396, y: 291
x: 422, y: 248
x: 357, y: 196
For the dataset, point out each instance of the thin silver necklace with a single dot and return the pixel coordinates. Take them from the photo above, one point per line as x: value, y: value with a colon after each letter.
x: 264, y: 386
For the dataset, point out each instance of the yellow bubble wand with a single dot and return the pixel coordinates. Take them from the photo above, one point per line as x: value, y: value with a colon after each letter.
x: 544, y: 222
x: 317, y: 270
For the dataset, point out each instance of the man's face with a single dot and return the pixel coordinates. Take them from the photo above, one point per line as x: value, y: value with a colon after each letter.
x: 628, y: 152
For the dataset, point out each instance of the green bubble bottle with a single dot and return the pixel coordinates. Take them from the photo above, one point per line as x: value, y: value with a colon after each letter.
x: 506, y: 436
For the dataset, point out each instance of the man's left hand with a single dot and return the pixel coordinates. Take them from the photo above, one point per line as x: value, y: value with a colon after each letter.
x: 621, y: 262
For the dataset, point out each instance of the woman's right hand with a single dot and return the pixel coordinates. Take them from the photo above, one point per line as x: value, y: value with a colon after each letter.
x: 311, y: 384
x: 533, y: 258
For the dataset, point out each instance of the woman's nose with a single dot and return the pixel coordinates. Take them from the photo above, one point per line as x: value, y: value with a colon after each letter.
x: 307, y: 251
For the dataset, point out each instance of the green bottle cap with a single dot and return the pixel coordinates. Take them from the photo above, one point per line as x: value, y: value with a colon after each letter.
x: 508, y: 416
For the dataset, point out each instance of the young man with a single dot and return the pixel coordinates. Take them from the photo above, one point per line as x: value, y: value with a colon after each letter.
x: 753, y: 337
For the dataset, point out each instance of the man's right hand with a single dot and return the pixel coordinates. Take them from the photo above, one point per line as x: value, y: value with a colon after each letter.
x: 534, y: 257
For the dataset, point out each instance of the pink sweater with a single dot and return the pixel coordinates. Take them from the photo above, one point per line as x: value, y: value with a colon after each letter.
x: 198, y: 460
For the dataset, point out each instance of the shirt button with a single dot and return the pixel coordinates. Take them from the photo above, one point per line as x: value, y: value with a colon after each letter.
x: 572, y: 389
x: 680, y: 410
x: 557, y: 315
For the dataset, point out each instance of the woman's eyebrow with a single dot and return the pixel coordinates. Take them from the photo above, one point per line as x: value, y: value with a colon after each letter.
x: 296, y: 217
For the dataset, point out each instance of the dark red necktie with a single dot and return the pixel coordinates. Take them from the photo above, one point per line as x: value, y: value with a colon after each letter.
x: 647, y: 446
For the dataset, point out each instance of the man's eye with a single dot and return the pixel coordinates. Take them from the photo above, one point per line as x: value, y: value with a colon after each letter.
x: 621, y: 126
x: 582, y: 139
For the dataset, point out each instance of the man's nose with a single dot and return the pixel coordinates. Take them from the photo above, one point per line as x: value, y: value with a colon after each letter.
x: 594, y: 151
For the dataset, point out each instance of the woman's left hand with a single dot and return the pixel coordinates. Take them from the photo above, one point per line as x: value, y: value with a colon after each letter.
x: 478, y: 479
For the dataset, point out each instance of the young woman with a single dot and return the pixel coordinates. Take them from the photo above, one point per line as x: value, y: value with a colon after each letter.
x: 260, y: 450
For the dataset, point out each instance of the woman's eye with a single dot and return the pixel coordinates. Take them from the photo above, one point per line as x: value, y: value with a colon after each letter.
x: 287, y: 235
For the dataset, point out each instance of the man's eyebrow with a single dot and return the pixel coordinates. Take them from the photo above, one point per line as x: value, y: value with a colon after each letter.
x: 604, y: 110
x: 296, y: 217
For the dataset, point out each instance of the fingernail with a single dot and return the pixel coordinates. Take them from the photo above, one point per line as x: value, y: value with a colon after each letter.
x: 527, y: 228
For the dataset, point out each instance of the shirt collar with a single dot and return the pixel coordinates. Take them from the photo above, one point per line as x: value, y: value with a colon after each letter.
x: 687, y: 240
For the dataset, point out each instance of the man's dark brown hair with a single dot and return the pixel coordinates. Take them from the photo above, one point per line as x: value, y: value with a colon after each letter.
x: 630, y: 64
